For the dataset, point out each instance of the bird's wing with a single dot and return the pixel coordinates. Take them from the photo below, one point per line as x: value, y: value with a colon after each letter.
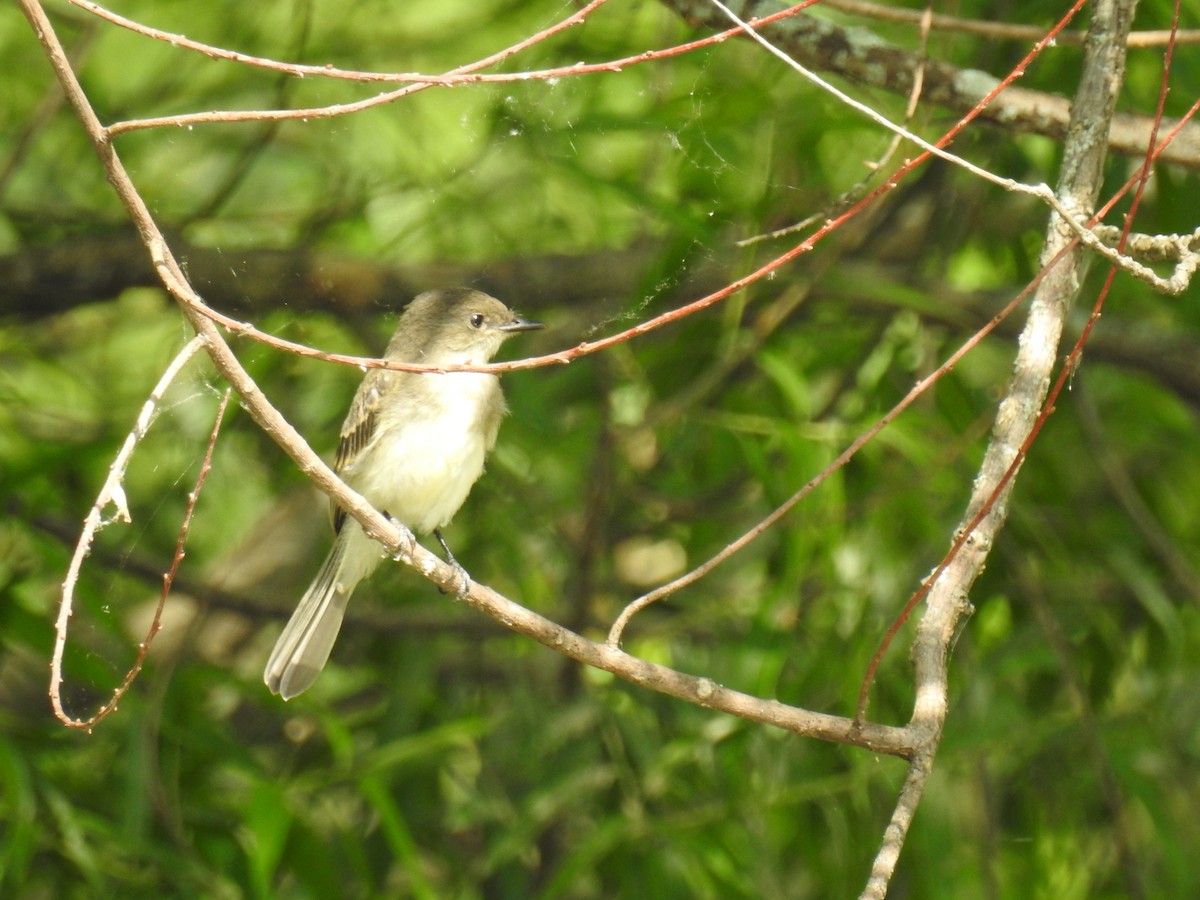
x: 358, y: 431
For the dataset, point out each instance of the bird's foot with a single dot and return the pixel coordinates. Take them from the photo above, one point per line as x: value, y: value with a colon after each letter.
x: 461, y: 583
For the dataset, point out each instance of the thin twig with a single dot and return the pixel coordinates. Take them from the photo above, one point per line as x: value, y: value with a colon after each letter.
x: 1151, y: 248
x: 112, y: 494
x: 1073, y: 218
x: 330, y: 71
x: 467, y: 74
x: 1000, y: 31
x: 884, y: 864
x: 857, y: 55
x: 873, y: 166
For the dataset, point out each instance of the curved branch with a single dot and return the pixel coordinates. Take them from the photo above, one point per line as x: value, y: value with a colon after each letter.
x: 329, y: 71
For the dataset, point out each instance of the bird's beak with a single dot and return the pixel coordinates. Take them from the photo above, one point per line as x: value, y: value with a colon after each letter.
x: 519, y: 324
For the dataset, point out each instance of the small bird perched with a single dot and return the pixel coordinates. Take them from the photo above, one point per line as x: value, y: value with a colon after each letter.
x: 413, y: 444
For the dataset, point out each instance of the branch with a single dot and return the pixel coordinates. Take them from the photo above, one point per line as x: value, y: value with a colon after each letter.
x: 851, y: 52
x: 112, y: 493
x: 1019, y: 414
x: 414, y: 82
x: 1188, y: 262
x: 329, y: 71
x: 1000, y: 31
x: 861, y: 56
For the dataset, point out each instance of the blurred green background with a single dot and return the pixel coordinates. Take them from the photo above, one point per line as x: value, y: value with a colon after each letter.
x: 439, y: 756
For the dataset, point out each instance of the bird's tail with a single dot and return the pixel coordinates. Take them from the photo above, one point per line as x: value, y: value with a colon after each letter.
x: 303, y: 649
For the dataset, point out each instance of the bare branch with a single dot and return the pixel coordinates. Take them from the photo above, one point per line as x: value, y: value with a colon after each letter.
x: 863, y: 57
x: 1177, y: 283
x: 467, y: 74
x: 329, y: 71
x: 999, y: 31
x: 1020, y: 413
x: 1151, y: 248
x: 911, y: 792
x: 873, y: 166
x: 112, y: 493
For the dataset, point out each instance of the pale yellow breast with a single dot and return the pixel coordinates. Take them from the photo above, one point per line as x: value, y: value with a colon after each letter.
x: 429, y: 448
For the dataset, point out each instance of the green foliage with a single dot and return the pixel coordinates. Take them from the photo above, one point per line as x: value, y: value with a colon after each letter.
x: 441, y: 757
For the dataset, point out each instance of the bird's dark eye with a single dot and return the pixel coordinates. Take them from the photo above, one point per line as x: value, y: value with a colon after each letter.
x: 477, y: 320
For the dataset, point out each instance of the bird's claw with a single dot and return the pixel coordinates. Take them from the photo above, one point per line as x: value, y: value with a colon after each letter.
x: 461, y: 583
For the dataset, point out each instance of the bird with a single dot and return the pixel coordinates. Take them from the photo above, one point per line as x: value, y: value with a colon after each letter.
x: 413, y: 445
